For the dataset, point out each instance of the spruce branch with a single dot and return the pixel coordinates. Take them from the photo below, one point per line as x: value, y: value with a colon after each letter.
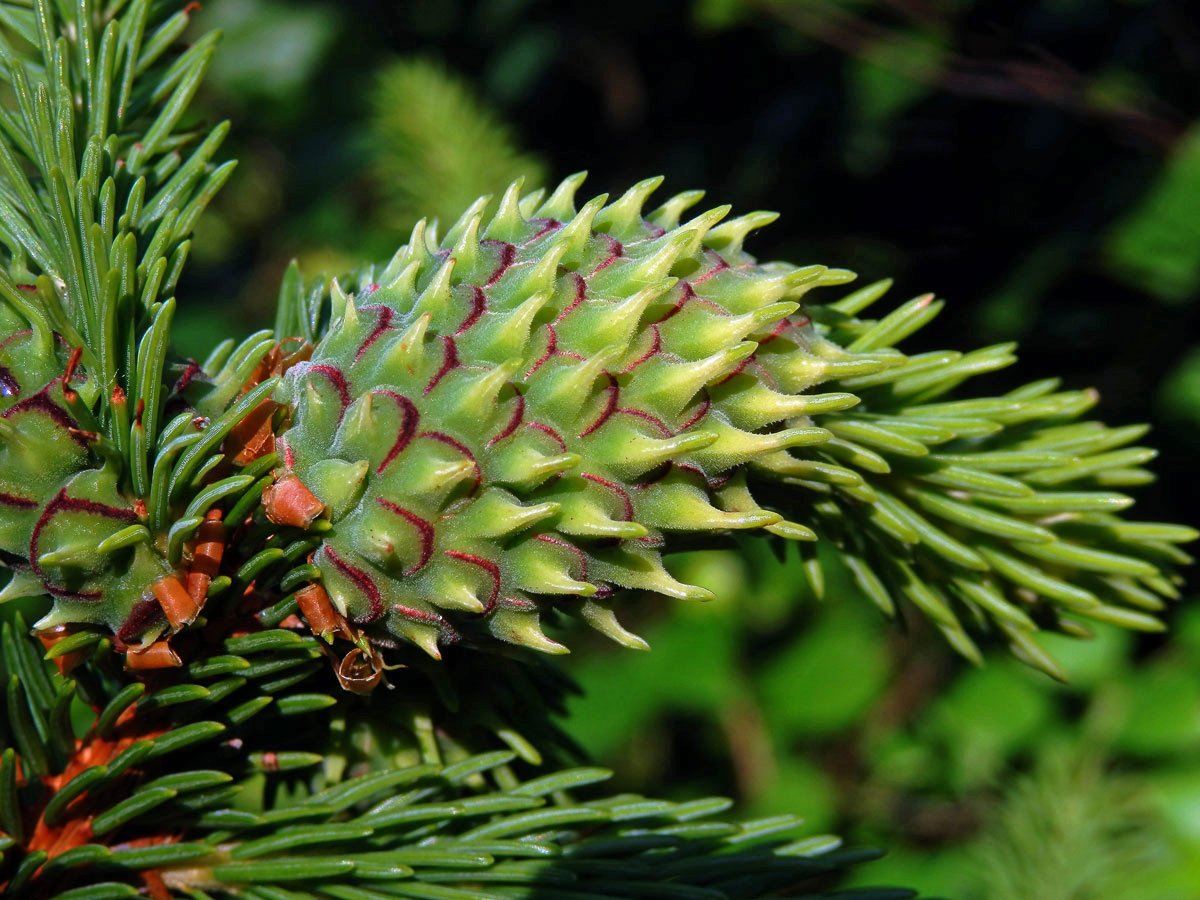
x: 241, y: 776
x: 102, y: 179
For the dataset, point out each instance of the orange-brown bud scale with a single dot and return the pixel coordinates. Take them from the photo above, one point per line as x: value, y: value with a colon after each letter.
x: 158, y: 655
x: 322, y: 618
x: 278, y: 360
x: 176, y: 602
x: 206, y: 556
x: 289, y: 502
x: 253, y: 436
x: 69, y: 393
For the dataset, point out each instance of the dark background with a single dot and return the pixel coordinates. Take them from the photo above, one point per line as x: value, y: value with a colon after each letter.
x: 1035, y: 163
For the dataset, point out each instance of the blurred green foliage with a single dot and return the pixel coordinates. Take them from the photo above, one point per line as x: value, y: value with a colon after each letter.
x: 823, y: 706
x: 436, y: 147
x: 1033, y: 159
x: 1156, y: 245
x: 270, y: 48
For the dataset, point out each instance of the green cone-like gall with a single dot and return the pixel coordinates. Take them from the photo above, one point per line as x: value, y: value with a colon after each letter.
x: 523, y: 413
